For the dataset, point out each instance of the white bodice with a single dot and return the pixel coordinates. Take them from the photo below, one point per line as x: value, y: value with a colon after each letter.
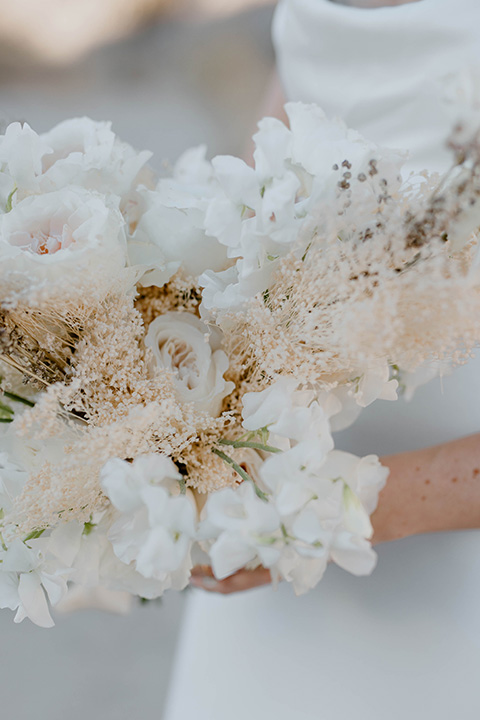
x: 405, y: 642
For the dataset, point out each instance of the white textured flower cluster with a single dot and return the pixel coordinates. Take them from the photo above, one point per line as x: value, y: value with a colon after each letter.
x: 80, y: 214
x: 308, y: 503
x: 302, y: 505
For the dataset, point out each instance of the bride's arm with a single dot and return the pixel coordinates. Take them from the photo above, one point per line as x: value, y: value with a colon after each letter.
x: 431, y: 490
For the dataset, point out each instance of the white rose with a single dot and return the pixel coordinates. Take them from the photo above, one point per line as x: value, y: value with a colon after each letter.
x: 181, y: 342
x: 67, y: 240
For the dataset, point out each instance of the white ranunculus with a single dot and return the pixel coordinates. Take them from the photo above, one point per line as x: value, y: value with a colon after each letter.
x: 182, y: 343
x: 66, y: 240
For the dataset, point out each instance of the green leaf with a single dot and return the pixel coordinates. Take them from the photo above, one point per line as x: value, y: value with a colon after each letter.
x: 34, y: 535
x: 8, y: 206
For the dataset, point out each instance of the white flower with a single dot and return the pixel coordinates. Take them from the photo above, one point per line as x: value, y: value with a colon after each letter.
x: 295, y: 476
x: 182, y: 343
x: 157, y: 523
x: 243, y: 528
x: 69, y: 239
x: 353, y: 553
x: 375, y: 384
x: 28, y: 577
x: 174, y: 236
x: 289, y: 413
x: 78, y: 152
x: 21, y: 155
x: 365, y: 476
x: 88, y: 153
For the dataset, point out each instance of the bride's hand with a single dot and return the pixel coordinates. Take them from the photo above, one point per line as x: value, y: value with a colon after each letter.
x: 202, y: 577
x: 430, y: 490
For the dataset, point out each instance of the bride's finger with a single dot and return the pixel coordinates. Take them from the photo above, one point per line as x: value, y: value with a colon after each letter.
x: 239, y: 582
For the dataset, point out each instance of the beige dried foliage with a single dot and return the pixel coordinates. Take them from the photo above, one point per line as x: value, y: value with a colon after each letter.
x: 393, y: 284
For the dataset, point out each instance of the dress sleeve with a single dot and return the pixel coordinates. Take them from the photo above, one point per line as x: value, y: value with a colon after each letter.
x: 382, y: 70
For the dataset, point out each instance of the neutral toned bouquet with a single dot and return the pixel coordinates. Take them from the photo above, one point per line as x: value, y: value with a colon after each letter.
x: 176, y: 354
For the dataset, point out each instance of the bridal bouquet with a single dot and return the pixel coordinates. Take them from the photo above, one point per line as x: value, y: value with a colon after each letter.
x: 176, y: 353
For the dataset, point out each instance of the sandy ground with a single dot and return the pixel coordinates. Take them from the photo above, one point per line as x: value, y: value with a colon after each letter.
x: 165, y: 89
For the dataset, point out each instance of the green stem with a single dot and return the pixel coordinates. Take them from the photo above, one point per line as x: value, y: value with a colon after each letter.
x: 249, y: 444
x: 6, y: 420
x: 5, y: 409
x: 244, y: 475
x: 18, y: 398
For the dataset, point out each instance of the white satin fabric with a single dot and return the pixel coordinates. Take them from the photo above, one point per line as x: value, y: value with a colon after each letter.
x: 403, y: 644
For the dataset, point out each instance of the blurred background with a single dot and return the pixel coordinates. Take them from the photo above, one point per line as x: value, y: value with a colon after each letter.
x: 169, y: 75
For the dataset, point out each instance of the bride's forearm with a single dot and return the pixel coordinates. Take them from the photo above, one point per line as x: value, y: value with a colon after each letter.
x: 430, y: 490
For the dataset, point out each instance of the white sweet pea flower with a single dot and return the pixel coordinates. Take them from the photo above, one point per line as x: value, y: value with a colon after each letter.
x: 375, y: 384
x: 97, y: 575
x: 263, y: 409
x: 288, y: 412
x: 365, y: 476
x: 239, y: 196
x: 173, y: 237
x: 28, y: 577
x: 242, y: 528
x: 64, y: 241
x: 155, y: 529
x: 353, y: 553
x: 295, y: 477
x: 182, y: 343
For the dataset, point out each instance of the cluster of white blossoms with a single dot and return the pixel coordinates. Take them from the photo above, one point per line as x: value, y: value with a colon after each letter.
x: 71, y: 199
x: 175, y: 354
x: 307, y: 505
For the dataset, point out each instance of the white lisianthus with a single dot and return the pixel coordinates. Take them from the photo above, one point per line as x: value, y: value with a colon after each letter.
x: 157, y: 524
x: 182, y: 343
x: 88, y: 153
x: 65, y: 241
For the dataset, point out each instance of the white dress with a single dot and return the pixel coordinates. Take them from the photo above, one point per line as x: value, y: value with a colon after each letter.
x: 403, y: 644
